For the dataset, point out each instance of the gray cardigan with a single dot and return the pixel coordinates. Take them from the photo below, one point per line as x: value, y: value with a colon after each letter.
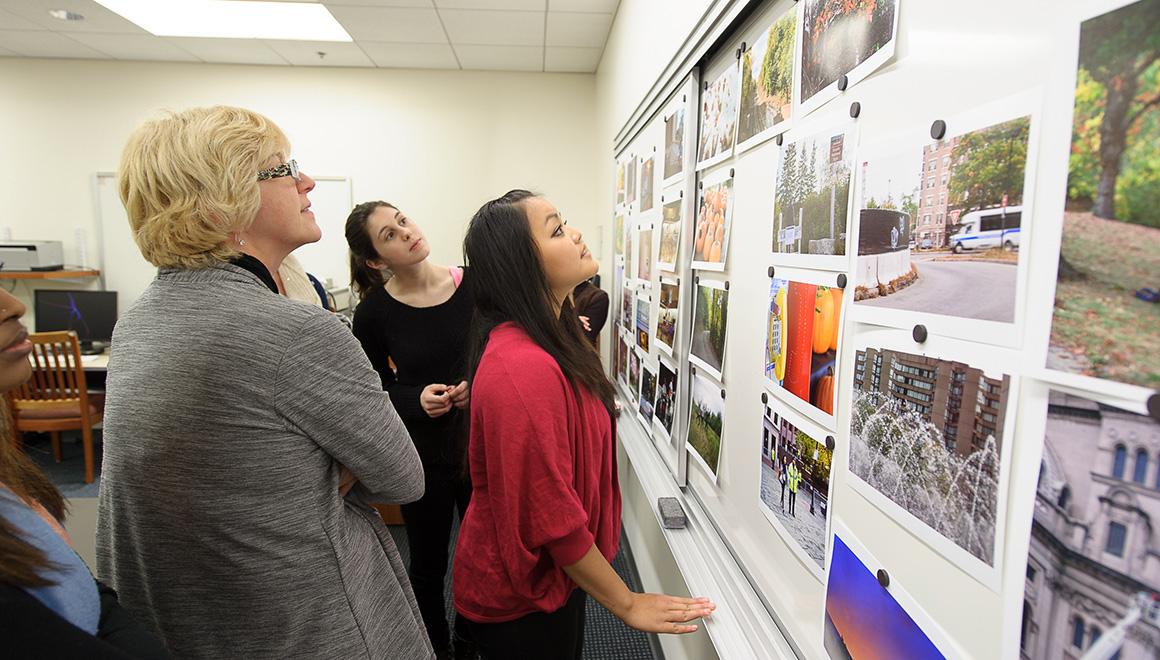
x: 229, y: 411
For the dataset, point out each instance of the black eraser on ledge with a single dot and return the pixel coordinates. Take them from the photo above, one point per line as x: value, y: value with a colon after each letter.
x: 672, y: 515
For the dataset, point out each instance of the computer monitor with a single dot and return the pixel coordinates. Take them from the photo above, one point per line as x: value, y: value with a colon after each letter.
x: 91, y: 314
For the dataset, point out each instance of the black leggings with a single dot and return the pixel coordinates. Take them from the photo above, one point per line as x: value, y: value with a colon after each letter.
x: 428, y: 522
x: 555, y: 635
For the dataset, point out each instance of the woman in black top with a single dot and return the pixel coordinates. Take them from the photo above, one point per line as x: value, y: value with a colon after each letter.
x: 413, y: 315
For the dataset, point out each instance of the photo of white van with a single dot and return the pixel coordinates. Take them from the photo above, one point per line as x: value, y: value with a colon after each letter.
x: 988, y: 229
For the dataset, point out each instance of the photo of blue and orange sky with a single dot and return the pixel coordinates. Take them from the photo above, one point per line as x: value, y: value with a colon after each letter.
x: 863, y: 621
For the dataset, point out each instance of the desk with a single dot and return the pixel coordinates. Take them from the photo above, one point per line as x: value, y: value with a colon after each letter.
x: 95, y: 363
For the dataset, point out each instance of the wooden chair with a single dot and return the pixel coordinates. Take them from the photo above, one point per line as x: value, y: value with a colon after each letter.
x: 56, y: 398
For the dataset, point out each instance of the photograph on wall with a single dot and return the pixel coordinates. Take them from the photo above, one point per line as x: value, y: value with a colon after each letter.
x: 1092, y: 554
x: 620, y: 182
x: 630, y: 180
x: 644, y: 258
x: 795, y: 486
x: 706, y: 422
x: 674, y: 144
x: 801, y: 341
x: 927, y: 436
x: 843, y: 37
x: 718, y: 118
x: 811, y: 199
x: 622, y: 351
x: 646, y: 184
x: 767, y: 81
x: 667, y: 312
x: 634, y: 373
x: 1106, y: 320
x: 618, y: 233
x: 671, y: 219
x: 642, y: 322
x: 710, y: 321
x: 666, y: 402
x: 627, y: 318
x: 864, y: 620
x: 939, y: 226
x: 648, y: 392
x: 629, y: 251
x: 714, y: 218
x: 617, y: 285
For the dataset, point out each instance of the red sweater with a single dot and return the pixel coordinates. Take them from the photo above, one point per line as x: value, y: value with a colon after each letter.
x: 543, y: 471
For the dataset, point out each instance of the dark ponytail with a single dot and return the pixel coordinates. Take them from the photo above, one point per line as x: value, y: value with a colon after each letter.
x: 509, y: 285
x: 363, y: 278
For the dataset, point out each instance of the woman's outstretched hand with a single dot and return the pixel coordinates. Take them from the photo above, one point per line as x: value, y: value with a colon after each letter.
x: 658, y: 613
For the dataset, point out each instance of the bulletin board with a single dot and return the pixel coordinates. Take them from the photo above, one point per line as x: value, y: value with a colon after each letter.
x: 874, y: 326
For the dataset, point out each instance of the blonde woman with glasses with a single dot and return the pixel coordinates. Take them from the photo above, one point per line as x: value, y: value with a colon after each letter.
x: 234, y: 511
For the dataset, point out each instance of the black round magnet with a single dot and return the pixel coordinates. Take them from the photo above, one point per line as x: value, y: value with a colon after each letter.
x: 764, y: 397
x: 769, y: 272
x: 722, y: 393
x: 726, y: 285
x: 696, y: 279
x: 681, y: 194
x: 841, y: 280
x: 700, y: 185
x: 737, y: 53
x: 743, y: 46
x: 779, y: 139
x: 706, y: 85
x: 855, y: 109
x: 919, y: 333
x: 1154, y: 406
x: 938, y: 129
x: 883, y: 577
x: 843, y: 82
x: 830, y: 443
x: 730, y: 171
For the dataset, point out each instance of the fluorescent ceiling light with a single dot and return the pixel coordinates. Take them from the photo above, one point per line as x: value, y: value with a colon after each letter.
x: 231, y: 19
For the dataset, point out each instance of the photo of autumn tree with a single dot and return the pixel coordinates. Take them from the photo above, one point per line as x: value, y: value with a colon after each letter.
x: 767, y: 79
x: 839, y: 35
x: 710, y: 319
x: 813, y: 191
x: 1106, y: 322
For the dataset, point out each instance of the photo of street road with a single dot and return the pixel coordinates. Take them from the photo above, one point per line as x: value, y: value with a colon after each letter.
x: 970, y: 286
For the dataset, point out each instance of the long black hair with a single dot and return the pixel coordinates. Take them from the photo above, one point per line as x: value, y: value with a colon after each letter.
x: 363, y: 278
x: 510, y: 285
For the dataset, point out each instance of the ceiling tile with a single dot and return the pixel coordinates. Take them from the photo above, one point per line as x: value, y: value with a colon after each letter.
x: 572, y: 60
x: 305, y: 53
x: 509, y: 5
x: 500, y: 28
x: 501, y: 58
x: 390, y: 24
x: 97, y: 18
x: 228, y: 51
x: 574, y: 29
x: 410, y: 56
x: 10, y: 21
x: 45, y: 44
x: 594, y: 6
x: 378, y: 3
x: 134, y: 47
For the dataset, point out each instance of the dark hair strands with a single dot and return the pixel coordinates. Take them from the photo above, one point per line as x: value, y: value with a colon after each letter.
x: 510, y: 286
x: 363, y: 278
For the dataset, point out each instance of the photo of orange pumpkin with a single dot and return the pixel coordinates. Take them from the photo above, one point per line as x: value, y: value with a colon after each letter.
x: 713, y: 217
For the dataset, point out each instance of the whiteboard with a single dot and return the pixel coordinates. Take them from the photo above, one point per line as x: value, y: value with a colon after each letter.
x: 125, y: 271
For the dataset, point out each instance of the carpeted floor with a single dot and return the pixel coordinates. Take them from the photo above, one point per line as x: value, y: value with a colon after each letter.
x: 606, y: 637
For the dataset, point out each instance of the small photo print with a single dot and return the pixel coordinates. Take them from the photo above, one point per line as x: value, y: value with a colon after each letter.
x: 626, y: 308
x: 634, y: 373
x: 630, y: 180
x: 1106, y: 320
x: 801, y: 340
x: 666, y: 402
x: 642, y: 323
x: 813, y: 193
x: 710, y: 318
x: 620, y: 182
x: 935, y: 218
x: 622, y: 352
x: 719, y: 117
x: 706, y: 419
x: 674, y: 143
x: 863, y: 619
x: 645, y: 253
x: 671, y: 220
x: 795, y: 485
x: 838, y: 36
x: 648, y: 392
x: 667, y: 314
x: 927, y: 434
x: 714, y: 217
x: 1094, y: 455
x: 618, y: 228
x: 646, y: 184
x: 767, y: 79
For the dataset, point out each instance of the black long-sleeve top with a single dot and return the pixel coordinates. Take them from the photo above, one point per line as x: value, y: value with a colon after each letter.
x: 428, y: 345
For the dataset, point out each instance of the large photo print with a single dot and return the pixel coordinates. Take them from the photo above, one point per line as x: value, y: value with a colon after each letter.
x: 812, y: 196
x: 767, y: 80
x: 842, y: 37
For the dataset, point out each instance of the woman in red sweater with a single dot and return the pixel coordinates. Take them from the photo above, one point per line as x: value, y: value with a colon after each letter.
x: 544, y: 517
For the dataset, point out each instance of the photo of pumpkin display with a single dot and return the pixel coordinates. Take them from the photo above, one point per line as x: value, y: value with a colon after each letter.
x: 801, y: 341
x: 713, y: 219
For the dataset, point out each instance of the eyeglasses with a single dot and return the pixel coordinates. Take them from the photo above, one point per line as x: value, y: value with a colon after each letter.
x: 285, y: 169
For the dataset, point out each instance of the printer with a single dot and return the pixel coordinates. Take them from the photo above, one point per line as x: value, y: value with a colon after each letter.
x: 31, y: 255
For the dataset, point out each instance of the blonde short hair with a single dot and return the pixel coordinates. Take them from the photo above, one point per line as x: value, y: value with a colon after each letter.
x: 189, y: 182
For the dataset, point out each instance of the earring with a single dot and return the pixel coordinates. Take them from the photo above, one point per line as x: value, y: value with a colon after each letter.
x: 241, y: 241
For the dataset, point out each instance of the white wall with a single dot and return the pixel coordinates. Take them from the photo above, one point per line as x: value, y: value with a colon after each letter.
x: 437, y: 143
x: 645, y: 36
